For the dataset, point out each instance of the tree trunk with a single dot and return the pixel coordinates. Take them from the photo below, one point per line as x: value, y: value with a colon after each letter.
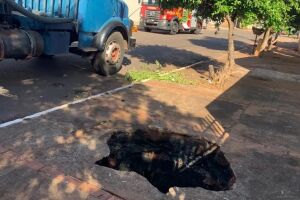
x: 231, y: 50
x: 263, y: 43
x: 225, y: 71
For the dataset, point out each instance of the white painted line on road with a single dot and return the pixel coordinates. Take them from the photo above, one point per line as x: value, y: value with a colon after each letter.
x: 42, y: 113
x: 39, y: 114
x: 189, y: 66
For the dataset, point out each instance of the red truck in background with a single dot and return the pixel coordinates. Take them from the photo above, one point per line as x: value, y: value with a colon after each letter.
x: 172, y: 20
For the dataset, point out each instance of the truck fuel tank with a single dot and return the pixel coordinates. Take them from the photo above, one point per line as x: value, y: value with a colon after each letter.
x: 20, y: 44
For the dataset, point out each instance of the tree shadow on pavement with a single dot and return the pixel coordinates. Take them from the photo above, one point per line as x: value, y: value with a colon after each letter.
x: 288, y: 43
x: 260, y: 113
x: 273, y: 60
x: 65, y: 145
x: 221, y: 44
x: 166, y: 55
x: 39, y: 84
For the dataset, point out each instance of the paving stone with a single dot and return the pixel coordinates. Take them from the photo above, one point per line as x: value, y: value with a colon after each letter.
x: 26, y: 184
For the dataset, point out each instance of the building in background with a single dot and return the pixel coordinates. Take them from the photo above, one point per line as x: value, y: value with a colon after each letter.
x: 134, y: 10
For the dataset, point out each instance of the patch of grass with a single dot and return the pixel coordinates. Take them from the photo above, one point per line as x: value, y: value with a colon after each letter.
x: 141, y: 75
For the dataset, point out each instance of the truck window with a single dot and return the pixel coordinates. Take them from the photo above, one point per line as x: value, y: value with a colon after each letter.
x: 150, y: 2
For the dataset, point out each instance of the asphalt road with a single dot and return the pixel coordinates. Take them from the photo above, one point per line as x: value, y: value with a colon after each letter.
x: 27, y: 87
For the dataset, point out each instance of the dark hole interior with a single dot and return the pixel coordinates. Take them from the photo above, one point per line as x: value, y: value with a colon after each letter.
x: 168, y: 160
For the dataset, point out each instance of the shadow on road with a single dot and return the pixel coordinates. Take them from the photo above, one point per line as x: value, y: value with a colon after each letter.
x: 166, y: 55
x: 220, y: 44
x: 262, y: 118
x: 39, y: 84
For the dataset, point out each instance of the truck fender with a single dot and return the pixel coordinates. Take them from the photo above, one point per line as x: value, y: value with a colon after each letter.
x: 101, y: 37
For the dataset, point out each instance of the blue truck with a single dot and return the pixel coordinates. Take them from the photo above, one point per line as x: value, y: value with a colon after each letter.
x: 99, y: 30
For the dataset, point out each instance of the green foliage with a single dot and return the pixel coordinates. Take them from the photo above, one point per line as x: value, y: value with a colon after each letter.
x: 249, y: 19
x: 185, y: 16
x: 189, y: 4
x: 214, y: 9
x: 295, y: 18
x: 271, y: 13
x: 146, y: 74
x: 277, y: 14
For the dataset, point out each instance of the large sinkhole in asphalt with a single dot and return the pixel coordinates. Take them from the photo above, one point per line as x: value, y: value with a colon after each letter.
x: 170, y: 160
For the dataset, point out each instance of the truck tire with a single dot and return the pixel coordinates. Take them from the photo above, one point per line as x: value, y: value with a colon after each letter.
x: 198, y: 30
x: 147, y: 29
x: 109, y: 61
x: 174, y: 28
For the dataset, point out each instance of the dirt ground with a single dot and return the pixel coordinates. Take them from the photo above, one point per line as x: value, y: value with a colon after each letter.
x: 255, y: 119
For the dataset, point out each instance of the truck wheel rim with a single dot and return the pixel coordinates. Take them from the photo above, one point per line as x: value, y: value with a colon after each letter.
x: 113, y: 53
x: 175, y: 27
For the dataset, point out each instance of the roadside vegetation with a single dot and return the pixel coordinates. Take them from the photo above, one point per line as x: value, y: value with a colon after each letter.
x: 158, y: 75
x: 272, y: 15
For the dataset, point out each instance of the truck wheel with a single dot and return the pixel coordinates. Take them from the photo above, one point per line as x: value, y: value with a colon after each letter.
x: 198, y: 30
x: 109, y: 61
x: 174, y: 28
x: 147, y: 29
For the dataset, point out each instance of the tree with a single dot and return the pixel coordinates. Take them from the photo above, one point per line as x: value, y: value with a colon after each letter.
x: 295, y: 22
x: 220, y: 11
x: 274, y: 16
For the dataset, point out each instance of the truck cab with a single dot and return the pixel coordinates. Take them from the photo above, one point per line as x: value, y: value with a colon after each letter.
x: 172, y: 20
x: 97, y: 30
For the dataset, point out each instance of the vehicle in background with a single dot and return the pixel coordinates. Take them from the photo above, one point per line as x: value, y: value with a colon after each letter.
x: 172, y: 20
x: 97, y: 30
